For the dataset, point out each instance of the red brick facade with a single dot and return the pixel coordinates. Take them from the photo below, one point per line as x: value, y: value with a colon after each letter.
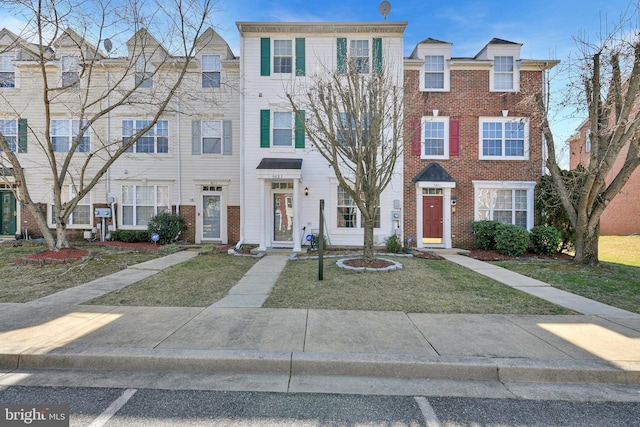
x: 468, y: 99
x: 233, y: 224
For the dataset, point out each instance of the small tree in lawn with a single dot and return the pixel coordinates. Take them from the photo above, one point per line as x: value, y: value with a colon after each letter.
x: 354, y: 120
x: 97, y: 86
x: 609, y: 79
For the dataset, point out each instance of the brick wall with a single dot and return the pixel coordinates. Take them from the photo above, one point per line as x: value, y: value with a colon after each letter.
x: 233, y: 224
x: 188, y: 212
x: 468, y: 99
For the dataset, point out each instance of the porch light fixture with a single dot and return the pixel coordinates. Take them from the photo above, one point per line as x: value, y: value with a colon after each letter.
x: 306, y: 191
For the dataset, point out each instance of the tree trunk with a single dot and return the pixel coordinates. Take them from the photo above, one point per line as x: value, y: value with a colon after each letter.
x: 41, y: 221
x: 61, y: 236
x: 368, y: 239
x: 586, y: 245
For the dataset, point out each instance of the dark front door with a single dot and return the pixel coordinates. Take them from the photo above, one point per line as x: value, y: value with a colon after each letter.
x: 432, y: 217
x: 8, y: 210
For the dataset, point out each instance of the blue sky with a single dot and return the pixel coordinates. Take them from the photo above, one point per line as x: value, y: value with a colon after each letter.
x: 546, y: 28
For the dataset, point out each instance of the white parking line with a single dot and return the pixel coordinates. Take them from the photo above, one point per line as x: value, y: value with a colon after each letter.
x: 427, y: 412
x: 113, y: 408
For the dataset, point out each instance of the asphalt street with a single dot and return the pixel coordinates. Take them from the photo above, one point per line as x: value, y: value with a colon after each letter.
x: 113, y: 407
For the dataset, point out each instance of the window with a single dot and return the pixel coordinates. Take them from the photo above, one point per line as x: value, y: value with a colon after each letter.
x: 70, y: 74
x: 155, y: 140
x: 81, y: 215
x: 348, y: 133
x: 9, y: 129
x: 503, y: 73
x: 65, y: 132
x: 348, y: 215
x: 359, y: 56
x: 142, y: 202
x: 212, y: 136
x: 211, y: 70
x: 144, y: 72
x: 504, y: 139
x: 435, y: 137
x: 434, y: 72
x: 282, y: 129
x: 588, y: 141
x: 7, y: 71
x: 509, y: 206
x: 282, y: 57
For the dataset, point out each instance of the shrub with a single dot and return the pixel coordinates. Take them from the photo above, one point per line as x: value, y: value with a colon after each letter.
x: 545, y: 240
x: 485, y: 233
x: 167, y: 225
x: 511, y: 239
x: 394, y: 245
x: 131, y: 236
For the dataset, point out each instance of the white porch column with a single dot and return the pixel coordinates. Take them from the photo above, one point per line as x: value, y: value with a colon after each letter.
x: 263, y: 215
x: 296, y: 216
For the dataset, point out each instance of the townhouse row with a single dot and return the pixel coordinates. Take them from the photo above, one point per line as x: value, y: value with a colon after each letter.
x: 230, y: 156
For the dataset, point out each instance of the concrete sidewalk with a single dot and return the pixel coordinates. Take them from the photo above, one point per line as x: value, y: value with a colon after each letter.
x: 313, y: 350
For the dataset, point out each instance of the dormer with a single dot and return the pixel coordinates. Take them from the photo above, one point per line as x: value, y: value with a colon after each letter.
x: 213, y: 55
x: 435, y: 57
x: 504, y: 75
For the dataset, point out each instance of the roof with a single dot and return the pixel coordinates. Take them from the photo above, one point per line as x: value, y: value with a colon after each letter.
x: 275, y: 163
x: 433, y: 172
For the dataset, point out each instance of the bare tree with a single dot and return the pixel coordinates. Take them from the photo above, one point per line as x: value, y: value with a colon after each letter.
x: 355, y: 122
x: 609, y: 73
x: 95, y: 86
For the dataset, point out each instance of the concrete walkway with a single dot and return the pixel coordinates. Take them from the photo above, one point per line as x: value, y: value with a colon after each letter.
x: 249, y: 348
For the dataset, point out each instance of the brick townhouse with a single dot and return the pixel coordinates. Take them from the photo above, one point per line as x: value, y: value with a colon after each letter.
x: 473, y: 146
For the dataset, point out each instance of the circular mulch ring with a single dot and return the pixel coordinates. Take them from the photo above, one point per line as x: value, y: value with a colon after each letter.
x: 378, y: 264
x: 63, y: 256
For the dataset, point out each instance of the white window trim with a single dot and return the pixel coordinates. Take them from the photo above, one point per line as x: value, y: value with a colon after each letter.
x: 219, y: 70
x: 135, y: 205
x: 529, y: 186
x: 432, y: 119
x: 358, y: 230
x: 516, y: 73
x: 16, y: 136
x: 350, y: 55
x: 72, y: 68
x: 503, y: 120
x: 72, y: 127
x: 134, y: 147
x: 282, y: 148
x: 446, y: 72
x: 145, y: 70
x: 273, y: 56
x: 587, y: 141
x: 70, y: 223
x: 202, y: 137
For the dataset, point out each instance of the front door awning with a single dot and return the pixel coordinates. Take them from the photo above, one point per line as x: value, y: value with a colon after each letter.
x: 277, y: 168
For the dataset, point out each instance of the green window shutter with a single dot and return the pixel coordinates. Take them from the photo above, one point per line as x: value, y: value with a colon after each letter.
x: 196, y: 137
x: 300, y: 57
x: 299, y: 129
x: 22, y: 135
x: 377, y: 55
x: 227, y: 142
x: 265, y: 56
x: 342, y: 54
x: 265, y: 128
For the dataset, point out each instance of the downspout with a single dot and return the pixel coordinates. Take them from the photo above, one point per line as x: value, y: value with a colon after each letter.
x: 179, y: 161
x: 242, y: 147
x: 111, y: 198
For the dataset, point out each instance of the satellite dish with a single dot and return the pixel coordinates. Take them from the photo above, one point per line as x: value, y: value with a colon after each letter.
x: 384, y: 9
x: 107, y: 45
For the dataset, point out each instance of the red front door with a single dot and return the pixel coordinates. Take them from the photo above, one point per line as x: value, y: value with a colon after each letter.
x: 432, y: 217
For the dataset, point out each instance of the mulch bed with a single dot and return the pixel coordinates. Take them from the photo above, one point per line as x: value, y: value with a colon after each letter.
x: 150, y: 246
x: 484, y: 255
x: 63, y: 256
x: 376, y: 263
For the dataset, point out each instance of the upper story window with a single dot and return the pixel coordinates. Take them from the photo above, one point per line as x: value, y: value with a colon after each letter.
x: 155, y: 140
x: 504, y: 138
x: 282, y: 57
x: 359, y: 56
x: 282, y: 129
x: 7, y: 71
x: 587, y: 142
x: 503, y: 73
x: 435, y: 137
x: 350, y: 133
x: 144, y: 72
x: 70, y: 70
x: 434, y: 72
x: 211, y: 70
x: 9, y: 129
x: 64, y: 133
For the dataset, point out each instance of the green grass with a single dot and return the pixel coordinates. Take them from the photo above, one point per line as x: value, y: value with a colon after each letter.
x: 23, y: 283
x: 422, y: 286
x: 198, y: 282
x: 616, y: 281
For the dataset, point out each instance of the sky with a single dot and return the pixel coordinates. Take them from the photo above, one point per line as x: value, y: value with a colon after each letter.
x: 546, y: 28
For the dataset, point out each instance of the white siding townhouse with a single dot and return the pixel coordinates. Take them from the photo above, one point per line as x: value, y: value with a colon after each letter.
x: 282, y: 177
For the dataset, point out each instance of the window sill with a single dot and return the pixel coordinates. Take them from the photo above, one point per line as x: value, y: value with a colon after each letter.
x: 518, y: 158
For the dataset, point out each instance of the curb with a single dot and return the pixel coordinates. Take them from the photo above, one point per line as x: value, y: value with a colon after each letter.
x: 296, y: 364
